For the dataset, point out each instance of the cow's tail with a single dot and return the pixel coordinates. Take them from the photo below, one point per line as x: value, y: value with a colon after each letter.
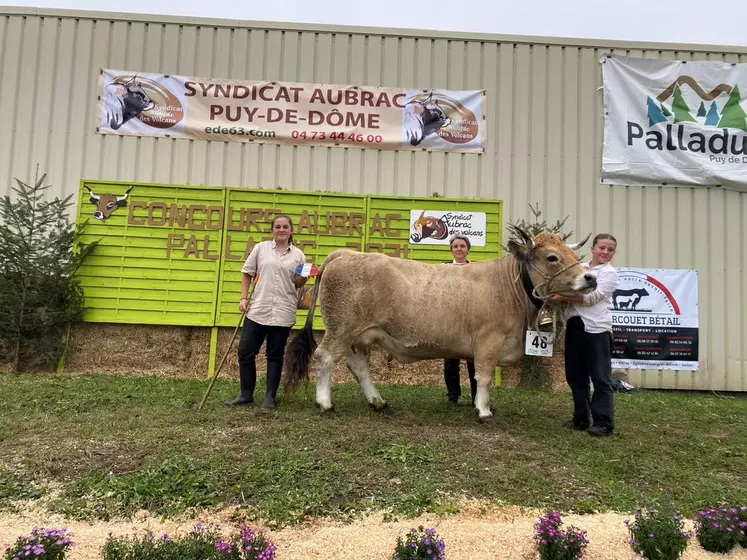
x: 302, y: 346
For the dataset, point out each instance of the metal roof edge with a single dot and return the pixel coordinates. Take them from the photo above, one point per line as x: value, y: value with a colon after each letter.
x: 361, y: 30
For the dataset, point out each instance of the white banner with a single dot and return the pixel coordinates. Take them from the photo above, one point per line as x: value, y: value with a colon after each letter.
x: 674, y: 122
x: 290, y: 113
x: 435, y: 227
x: 655, y: 319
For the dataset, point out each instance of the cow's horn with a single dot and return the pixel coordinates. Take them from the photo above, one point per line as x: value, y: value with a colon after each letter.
x: 524, y: 235
x: 125, y: 195
x: 576, y: 246
x: 93, y: 196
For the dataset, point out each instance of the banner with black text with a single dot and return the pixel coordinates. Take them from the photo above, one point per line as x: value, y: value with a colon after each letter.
x: 291, y: 114
x: 670, y: 122
x: 655, y: 319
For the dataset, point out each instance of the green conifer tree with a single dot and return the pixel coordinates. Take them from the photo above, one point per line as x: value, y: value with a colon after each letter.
x: 733, y: 116
x: 39, y: 297
x: 680, y: 108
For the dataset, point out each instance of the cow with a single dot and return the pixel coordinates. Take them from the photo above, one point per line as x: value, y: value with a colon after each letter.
x: 482, y: 311
x: 124, y: 101
x: 423, y: 118
x: 107, y: 203
x: 628, y: 299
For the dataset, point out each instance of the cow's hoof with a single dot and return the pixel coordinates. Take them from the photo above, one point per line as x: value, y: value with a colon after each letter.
x: 326, y: 411
x: 490, y: 419
x: 378, y: 406
x: 383, y: 408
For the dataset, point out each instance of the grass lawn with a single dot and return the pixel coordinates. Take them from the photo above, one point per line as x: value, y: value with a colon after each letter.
x: 118, y: 445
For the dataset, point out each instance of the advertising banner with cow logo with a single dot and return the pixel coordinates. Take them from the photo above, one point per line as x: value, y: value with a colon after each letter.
x: 429, y: 227
x: 655, y: 319
x: 674, y: 122
x: 286, y: 113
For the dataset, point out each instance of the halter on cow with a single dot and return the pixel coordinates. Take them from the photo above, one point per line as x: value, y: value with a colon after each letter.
x: 485, y: 308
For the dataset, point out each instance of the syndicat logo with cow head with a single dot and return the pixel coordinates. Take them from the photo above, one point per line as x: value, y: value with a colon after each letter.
x: 130, y: 101
x: 435, y: 114
x: 429, y: 227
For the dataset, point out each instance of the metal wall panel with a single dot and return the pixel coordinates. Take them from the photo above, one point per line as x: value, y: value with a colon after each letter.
x: 544, y: 145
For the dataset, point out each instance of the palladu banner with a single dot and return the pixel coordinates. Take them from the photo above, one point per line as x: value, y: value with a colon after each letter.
x: 674, y: 122
x: 655, y: 319
x: 294, y: 114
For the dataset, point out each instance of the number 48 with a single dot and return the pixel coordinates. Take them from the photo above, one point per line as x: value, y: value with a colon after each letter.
x: 539, y: 342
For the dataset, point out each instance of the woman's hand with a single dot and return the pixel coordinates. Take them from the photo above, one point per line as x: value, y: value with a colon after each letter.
x: 557, y: 298
x: 298, y: 280
x: 244, y: 305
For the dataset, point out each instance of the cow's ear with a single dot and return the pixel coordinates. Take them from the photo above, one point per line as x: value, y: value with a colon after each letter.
x: 517, y: 250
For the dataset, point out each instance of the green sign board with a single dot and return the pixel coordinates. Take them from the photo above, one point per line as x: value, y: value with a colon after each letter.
x: 172, y: 254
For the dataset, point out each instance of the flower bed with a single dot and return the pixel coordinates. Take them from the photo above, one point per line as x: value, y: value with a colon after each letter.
x: 653, y: 533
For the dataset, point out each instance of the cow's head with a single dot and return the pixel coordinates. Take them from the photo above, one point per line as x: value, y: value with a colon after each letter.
x: 433, y: 114
x: 428, y: 226
x: 107, y: 203
x: 135, y: 99
x: 552, y: 264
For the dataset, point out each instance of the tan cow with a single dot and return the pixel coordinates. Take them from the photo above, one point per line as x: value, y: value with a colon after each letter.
x: 419, y: 311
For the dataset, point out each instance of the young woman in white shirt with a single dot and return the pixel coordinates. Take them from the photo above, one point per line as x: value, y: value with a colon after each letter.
x: 589, y: 342
x: 271, y: 312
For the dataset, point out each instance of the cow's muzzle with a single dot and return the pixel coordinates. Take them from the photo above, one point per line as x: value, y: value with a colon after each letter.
x: 98, y: 215
x: 585, y: 284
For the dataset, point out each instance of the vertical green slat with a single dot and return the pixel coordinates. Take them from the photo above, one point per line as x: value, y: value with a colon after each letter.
x: 213, y: 351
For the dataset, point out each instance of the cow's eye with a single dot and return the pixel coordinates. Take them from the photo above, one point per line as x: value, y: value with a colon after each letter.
x: 110, y: 205
x: 552, y: 259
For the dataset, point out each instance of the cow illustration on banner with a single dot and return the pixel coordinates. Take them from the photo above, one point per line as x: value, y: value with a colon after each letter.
x: 288, y: 113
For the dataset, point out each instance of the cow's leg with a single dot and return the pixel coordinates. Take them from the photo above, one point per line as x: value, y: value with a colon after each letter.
x: 358, y: 366
x: 327, y: 354
x: 484, y: 371
x: 486, y: 359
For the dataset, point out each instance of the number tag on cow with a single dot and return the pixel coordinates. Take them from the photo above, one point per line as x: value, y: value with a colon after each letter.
x: 538, y: 344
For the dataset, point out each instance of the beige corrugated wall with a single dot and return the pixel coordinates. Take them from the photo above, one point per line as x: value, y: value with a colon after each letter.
x: 545, y: 137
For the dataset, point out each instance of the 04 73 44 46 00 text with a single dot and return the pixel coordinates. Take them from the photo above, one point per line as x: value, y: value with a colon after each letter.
x: 336, y: 136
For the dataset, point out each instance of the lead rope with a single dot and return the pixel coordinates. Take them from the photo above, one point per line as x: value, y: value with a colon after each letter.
x: 558, y: 325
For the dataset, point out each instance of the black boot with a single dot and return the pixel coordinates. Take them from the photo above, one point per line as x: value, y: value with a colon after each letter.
x: 274, y: 369
x: 472, y: 381
x: 247, y: 379
x: 451, y: 378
